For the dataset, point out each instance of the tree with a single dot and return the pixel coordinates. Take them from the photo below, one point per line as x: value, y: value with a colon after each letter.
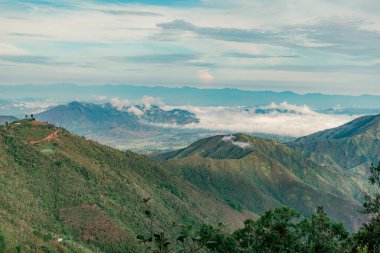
x: 281, y: 230
x: 175, y: 238
x: 275, y: 231
x: 368, y: 236
x: 2, y: 244
x: 319, y: 234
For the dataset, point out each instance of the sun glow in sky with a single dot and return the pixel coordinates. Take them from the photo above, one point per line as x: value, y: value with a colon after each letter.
x: 329, y: 46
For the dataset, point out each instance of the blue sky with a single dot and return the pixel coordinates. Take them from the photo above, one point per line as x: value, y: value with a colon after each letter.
x: 328, y: 46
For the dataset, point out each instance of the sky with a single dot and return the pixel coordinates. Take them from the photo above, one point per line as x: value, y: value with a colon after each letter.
x: 327, y: 46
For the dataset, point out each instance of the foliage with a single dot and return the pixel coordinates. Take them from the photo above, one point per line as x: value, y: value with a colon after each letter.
x: 274, y: 231
x: 281, y: 230
x: 369, y: 235
x: 177, y: 237
x: 320, y: 234
x: 2, y: 244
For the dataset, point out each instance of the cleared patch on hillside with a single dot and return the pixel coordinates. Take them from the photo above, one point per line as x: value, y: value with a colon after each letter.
x: 92, y: 223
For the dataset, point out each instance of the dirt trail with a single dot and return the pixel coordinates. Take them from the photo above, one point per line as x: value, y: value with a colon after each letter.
x: 51, y: 137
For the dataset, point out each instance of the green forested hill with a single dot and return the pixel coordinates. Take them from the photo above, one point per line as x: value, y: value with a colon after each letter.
x: 58, y: 185
x: 352, y: 147
x: 257, y: 174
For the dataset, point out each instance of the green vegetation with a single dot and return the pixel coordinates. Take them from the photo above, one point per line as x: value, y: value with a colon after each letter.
x: 81, y: 191
x: 265, y: 174
x: 281, y: 230
x: 368, y: 236
x: 2, y: 243
x: 69, y: 194
x: 352, y: 147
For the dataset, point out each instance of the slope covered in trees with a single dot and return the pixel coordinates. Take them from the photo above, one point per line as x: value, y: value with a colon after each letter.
x: 88, y: 194
x: 352, y: 147
x: 256, y: 174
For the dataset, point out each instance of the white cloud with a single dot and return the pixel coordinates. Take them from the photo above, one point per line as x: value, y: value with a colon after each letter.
x: 136, y: 111
x: 120, y: 103
x: 99, y: 98
x: 303, y: 109
x: 9, y: 49
x: 279, y: 119
x: 36, y: 106
x: 205, y: 76
x: 232, y: 139
x: 148, y: 101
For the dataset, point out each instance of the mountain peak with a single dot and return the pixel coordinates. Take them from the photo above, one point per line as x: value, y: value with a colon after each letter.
x: 234, y: 146
x: 353, y: 128
x: 252, y: 173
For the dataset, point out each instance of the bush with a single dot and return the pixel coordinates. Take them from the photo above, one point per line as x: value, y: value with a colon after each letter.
x: 2, y: 244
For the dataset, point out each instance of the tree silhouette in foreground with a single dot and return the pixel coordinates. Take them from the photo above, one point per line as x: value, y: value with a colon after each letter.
x: 368, y: 236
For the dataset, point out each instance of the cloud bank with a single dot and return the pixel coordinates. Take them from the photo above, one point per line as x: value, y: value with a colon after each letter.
x: 120, y: 103
x: 146, y: 101
x: 279, y: 119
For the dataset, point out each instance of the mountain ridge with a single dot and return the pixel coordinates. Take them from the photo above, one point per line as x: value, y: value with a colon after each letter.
x: 200, y: 97
x: 352, y: 146
x: 9, y: 119
x: 272, y: 173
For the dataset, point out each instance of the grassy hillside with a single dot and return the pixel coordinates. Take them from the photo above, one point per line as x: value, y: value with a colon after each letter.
x: 353, y: 146
x: 256, y: 174
x: 58, y: 185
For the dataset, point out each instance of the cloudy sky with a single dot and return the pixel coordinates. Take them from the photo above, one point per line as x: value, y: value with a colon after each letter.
x: 328, y: 46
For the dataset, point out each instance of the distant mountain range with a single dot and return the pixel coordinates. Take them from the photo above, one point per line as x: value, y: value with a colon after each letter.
x: 189, y: 96
x: 351, y: 111
x: 9, y: 119
x: 122, y: 127
x: 81, y: 117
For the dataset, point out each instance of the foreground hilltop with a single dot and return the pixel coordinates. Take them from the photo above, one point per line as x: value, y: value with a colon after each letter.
x: 256, y: 174
x: 58, y: 186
